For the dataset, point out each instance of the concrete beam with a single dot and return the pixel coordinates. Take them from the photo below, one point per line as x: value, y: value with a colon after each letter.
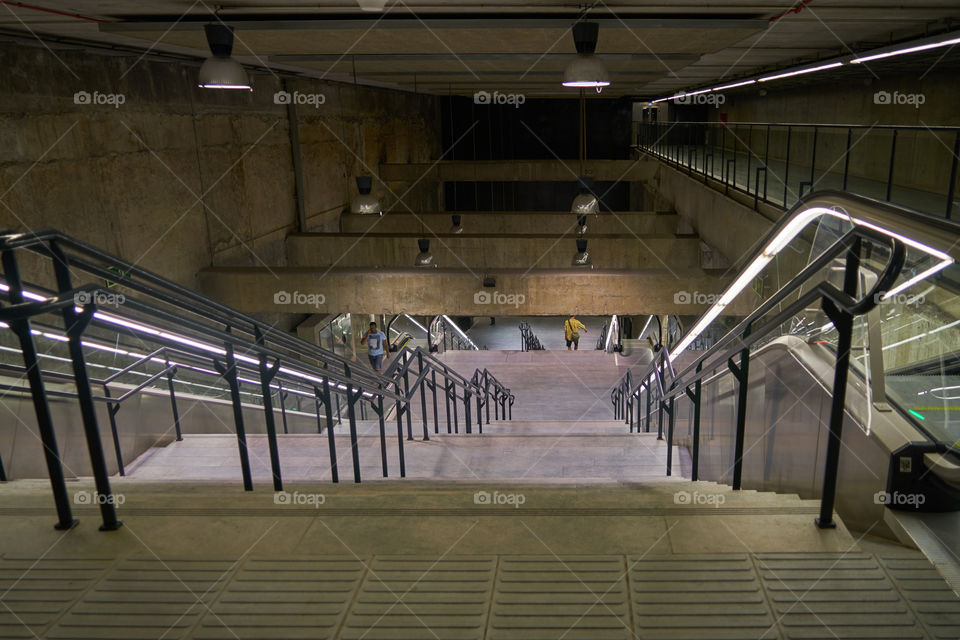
x: 455, y: 291
x: 479, y: 252
x: 518, y: 171
x: 514, y: 222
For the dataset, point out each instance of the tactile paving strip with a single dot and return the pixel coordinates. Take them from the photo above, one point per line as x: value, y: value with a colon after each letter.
x: 34, y: 593
x: 284, y: 598
x: 936, y: 605
x: 146, y: 598
x: 835, y: 595
x: 698, y: 597
x: 416, y: 598
x: 766, y: 596
x: 576, y: 598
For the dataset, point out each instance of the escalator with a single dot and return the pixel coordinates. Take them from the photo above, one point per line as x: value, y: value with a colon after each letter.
x: 898, y: 470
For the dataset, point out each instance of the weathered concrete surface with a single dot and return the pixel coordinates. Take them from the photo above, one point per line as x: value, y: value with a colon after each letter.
x: 473, y: 251
x: 514, y: 222
x: 723, y: 223
x: 518, y: 171
x: 454, y: 291
x: 177, y: 178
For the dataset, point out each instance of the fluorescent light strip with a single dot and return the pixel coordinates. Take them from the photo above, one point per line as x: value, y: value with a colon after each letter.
x: 799, y: 72
x: 422, y: 328
x: 899, y: 52
x: 244, y: 87
x: 779, y: 242
x: 734, y: 85
x: 135, y: 326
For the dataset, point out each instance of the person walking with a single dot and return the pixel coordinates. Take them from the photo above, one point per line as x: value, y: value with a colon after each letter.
x: 571, y: 331
x: 377, y: 347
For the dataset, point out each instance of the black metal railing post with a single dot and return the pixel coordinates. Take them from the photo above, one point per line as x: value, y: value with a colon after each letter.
x: 670, y: 423
x: 352, y: 398
x: 433, y: 389
x: 843, y: 322
x: 267, y: 374
x: 399, y: 411
x: 75, y: 324
x: 742, y: 373
x: 228, y: 370
x: 486, y: 390
x: 48, y: 437
x: 646, y: 422
x: 423, y: 395
x: 452, y: 390
x: 112, y: 409
x: 383, y: 435
x: 446, y: 397
x: 173, y: 398
x: 466, y: 409
x: 406, y: 394
x: 282, y: 399
x: 324, y: 398
x: 695, y: 399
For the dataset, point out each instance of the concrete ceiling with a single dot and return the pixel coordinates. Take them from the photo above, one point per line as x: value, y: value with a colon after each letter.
x: 462, y: 46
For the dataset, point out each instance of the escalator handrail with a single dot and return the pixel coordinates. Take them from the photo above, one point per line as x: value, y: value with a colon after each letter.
x: 722, y: 350
x: 907, y: 223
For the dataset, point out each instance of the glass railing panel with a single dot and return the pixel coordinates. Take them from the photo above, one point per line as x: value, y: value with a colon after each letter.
x: 921, y: 354
x: 921, y: 169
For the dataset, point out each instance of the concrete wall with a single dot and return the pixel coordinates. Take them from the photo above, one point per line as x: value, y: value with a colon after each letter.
x: 177, y: 178
x: 548, y: 292
x: 525, y: 222
x: 471, y: 251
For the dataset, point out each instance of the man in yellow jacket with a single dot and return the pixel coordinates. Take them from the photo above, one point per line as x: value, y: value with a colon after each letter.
x: 571, y: 331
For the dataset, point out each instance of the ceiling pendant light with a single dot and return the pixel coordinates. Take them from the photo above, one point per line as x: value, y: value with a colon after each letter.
x: 586, y: 70
x: 457, y: 227
x: 582, y: 258
x: 220, y: 70
x: 366, y: 203
x: 424, y: 258
x: 585, y: 202
x: 372, y: 5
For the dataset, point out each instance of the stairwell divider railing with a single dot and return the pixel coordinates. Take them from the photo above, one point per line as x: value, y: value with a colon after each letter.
x: 482, y: 389
x: 528, y: 339
x: 841, y: 307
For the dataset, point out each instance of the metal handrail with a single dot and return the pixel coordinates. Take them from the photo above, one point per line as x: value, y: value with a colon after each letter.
x: 840, y: 305
x: 136, y: 278
x: 822, y: 125
x: 282, y: 356
x: 668, y: 140
x: 528, y: 339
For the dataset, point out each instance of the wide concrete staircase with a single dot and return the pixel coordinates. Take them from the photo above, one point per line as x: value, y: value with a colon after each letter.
x: 557, y: 525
